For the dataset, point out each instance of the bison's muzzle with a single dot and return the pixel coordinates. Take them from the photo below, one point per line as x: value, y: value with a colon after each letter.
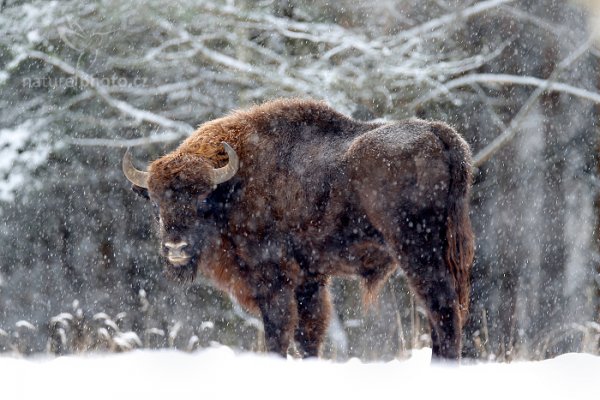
x: 176, y: 254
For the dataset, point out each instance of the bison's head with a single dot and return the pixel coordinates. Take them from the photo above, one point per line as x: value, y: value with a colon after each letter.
x: 180, y: 185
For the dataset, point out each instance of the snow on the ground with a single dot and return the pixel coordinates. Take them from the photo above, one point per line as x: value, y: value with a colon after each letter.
x: 219, y: 373
x: 18, y: 156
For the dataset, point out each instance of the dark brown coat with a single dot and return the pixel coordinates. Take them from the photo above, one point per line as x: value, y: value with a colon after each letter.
x: 317, y: 195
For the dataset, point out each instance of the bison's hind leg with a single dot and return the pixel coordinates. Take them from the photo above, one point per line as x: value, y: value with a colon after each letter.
x: 433, y: 285
x: 444, y: 317
x: 421, y: 252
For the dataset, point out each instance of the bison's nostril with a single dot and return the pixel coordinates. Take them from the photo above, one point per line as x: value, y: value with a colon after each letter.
x: 175, y: 252
x: 175, y: 246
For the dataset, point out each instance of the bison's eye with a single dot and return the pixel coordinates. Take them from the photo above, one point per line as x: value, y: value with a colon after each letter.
x: 202, y: 207
x: 140, y: 191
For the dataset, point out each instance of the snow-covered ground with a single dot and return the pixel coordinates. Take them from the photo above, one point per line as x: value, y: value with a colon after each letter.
x: 219, y: 373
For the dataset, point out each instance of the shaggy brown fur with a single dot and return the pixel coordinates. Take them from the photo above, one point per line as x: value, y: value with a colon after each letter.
x: 317, y: 195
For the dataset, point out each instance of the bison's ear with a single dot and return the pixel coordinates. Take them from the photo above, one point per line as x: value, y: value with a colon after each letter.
x: 140, y: 191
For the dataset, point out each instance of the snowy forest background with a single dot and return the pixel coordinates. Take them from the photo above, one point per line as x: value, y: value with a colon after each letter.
x: 80, y: 81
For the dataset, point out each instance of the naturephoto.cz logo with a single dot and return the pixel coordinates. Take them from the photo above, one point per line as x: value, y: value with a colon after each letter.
x: 48, y: 82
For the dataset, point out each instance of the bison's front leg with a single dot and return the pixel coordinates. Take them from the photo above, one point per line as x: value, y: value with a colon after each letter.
x: 276, y: 301
x: 314, y: 310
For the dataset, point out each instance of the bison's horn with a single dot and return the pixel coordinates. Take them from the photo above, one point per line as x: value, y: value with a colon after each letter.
x: 135, y: 176
x: 220, y: 175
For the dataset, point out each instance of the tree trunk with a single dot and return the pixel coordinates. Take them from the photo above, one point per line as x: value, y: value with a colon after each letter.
x: 553, y: 246
x: 596, y: 295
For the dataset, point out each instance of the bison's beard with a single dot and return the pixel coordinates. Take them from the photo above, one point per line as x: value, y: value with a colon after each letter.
x: 184, y: 273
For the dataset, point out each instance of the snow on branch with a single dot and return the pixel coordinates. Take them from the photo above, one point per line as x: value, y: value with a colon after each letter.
x: 218, y: 51
x: 546, y: 85
x: 281, y: 80
x: 445, y: 20
x: 103, y: 92
x: 315, y: 32
x: 510, y: 80
x: 142, y: 141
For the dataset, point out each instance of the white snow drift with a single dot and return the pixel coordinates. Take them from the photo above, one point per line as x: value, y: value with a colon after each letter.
x: 219, y: 373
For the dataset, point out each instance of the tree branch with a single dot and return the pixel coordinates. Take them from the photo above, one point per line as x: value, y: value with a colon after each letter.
x: 433, y: 24
x: 546, y: 84
x: 121, y: 143
x: 549, y: 84
x: 102, y: 91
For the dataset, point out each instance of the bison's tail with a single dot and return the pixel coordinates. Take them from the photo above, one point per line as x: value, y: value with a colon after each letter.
x: 459, y: 235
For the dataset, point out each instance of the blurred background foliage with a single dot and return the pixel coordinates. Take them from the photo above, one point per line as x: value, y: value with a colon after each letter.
x: 80, y: 81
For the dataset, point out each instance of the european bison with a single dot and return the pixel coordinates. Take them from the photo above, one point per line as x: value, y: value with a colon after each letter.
x: 272, y: 201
